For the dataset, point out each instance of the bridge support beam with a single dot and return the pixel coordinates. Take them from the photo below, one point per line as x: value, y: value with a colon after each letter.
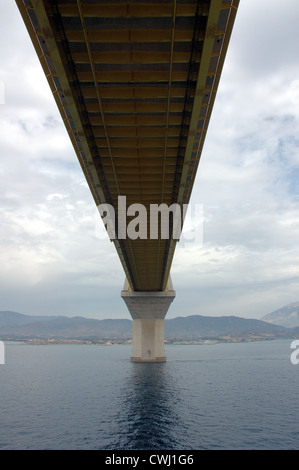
x: 148, y: 310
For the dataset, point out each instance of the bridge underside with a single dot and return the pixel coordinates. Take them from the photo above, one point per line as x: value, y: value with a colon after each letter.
x: 135, y: 83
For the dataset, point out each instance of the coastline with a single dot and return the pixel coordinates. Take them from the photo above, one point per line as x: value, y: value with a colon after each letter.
x: 127, y: 342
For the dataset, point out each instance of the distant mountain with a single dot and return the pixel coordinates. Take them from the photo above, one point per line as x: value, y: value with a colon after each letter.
x: 15, y: 325
x: 196, y: 326
x: 287, y: 316
x: 8, y: 318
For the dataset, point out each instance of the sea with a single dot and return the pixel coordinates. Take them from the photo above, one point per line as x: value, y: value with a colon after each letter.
x: 223, y: 396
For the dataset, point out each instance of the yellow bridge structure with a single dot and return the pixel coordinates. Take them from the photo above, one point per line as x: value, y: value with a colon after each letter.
x: 135, y: 83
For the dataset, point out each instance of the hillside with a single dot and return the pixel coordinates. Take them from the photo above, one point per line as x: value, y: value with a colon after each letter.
x: 198, y: 326
x: 287, y: 316
x: 14, y: 325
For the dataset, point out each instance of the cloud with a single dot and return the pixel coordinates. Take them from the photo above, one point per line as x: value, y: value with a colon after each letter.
x: 248, y: 175
x: 54, y: 259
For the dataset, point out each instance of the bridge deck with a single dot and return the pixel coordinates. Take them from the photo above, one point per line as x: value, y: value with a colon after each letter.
x: 135, y: 83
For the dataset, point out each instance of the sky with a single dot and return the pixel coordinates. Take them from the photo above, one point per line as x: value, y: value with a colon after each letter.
x: 54, y: 259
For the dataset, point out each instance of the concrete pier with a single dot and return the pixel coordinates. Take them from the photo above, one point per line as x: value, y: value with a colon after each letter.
x: 148, y: 310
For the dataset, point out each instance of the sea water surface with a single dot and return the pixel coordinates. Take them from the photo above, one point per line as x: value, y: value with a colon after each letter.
x: 219, y: 396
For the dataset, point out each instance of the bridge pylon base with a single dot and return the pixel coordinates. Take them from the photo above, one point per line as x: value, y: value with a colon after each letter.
x: 148, y: 310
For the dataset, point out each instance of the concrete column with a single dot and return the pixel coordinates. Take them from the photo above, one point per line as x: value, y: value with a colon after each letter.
x: 148, y: 310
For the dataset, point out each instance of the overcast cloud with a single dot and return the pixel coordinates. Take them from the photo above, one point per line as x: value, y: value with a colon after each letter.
x: 53, y: 259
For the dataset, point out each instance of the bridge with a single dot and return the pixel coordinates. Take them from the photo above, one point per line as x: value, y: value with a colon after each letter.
x: 135, y: 83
